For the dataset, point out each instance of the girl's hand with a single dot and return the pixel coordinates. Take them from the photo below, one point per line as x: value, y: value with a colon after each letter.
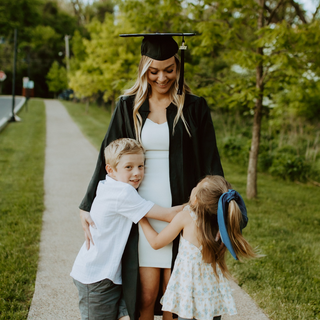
x: 86, y: 221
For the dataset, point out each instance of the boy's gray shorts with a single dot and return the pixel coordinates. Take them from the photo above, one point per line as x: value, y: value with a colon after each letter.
x: 101, y: 300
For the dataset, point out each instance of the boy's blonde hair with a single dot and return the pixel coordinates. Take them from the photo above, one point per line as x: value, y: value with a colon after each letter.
x: 116, y: 149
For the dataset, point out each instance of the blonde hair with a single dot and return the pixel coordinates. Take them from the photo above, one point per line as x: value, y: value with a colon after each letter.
x: 141, y: 89
x: 206, y: 207
x: 116, y: 149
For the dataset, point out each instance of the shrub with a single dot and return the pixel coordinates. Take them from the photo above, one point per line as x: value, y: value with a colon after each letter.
x: 289, y: 166
x: 236, y: 149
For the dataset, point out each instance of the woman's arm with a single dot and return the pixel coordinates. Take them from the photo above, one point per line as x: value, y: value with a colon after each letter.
x: 168, y: 234
x: 86, y: 221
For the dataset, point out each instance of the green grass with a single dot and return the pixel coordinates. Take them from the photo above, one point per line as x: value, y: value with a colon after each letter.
x: 94, y: 123
x: 284, y: 223
x: 22, y: 146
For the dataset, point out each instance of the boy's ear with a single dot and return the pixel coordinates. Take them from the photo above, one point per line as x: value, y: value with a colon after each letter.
x: 109, y: 170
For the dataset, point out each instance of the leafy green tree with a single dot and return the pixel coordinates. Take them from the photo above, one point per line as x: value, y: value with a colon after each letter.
x: 41, y: 26
x: 57, y: 78
x: 156, y: 15
x: 110, y: 62
x: 255, y: 42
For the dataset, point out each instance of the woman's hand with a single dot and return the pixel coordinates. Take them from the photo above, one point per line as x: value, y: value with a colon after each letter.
x: 86, y: 221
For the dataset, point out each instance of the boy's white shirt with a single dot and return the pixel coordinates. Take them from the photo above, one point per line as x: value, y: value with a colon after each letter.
x: 115, y: 207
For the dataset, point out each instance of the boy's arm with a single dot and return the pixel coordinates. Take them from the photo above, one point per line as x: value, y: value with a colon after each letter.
x: 163, y: 214
x: 167, y: 235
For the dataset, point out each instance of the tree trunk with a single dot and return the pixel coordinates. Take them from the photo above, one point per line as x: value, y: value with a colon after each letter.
x: 252, y: 189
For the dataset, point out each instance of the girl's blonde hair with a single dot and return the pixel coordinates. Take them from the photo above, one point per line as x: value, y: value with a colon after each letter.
x: 206, y: 207
x: 141, y: 89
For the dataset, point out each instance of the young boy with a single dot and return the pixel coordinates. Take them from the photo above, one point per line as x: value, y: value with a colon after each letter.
x: 97, y: 271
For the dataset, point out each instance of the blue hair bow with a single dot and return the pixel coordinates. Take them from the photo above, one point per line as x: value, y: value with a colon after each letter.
x: 223, y: 206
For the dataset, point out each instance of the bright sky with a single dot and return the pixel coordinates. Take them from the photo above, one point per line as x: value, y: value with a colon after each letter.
x: 309, y: 5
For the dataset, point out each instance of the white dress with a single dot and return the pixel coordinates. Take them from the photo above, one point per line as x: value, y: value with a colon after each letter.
x: 193, y: 290
x: 155, y: 187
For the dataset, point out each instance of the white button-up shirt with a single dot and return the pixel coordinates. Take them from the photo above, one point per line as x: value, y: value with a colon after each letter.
x: 115, y: 207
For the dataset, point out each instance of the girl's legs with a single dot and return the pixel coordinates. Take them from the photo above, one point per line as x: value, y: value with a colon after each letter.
x: 150, y: 280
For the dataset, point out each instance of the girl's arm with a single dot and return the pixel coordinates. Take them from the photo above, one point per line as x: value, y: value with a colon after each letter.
x: 168, y: 234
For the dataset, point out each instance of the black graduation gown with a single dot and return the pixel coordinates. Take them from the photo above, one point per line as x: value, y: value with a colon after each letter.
x: 190, y: 159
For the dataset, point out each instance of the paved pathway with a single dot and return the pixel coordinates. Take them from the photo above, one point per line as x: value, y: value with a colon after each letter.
x: 70, y: 160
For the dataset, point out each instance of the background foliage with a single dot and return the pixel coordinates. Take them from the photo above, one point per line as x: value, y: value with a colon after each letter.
x: 257, y: 59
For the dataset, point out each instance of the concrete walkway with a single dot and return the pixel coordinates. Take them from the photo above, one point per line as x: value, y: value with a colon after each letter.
x: 70, y: 161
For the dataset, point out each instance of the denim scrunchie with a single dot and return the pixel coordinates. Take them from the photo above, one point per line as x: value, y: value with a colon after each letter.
x: 222, y: 213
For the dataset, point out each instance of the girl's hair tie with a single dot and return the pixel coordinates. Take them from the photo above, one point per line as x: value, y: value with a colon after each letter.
x: 223, y: 206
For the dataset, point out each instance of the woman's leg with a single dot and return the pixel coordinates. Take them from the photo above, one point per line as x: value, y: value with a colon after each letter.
x: 166, y: 276
x: 150, y: 280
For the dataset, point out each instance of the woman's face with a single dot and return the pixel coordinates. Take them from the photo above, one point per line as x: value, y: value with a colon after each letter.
x: 161, y: 75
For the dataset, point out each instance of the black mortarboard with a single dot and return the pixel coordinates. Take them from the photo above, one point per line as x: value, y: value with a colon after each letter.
x: 161, y: 46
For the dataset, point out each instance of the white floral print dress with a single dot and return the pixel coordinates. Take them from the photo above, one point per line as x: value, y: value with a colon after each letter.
x: 193, y: 290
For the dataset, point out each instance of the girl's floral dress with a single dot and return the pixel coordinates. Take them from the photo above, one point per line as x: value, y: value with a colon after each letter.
x: 193, y: 290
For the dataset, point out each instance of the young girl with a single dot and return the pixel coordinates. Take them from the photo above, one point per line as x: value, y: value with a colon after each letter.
x: 211, y: 223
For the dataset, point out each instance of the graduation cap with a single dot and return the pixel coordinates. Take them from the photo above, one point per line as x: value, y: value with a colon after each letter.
x: 161, y: 46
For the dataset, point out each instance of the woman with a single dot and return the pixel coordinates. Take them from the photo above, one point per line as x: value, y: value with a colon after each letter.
x: 179, y: 138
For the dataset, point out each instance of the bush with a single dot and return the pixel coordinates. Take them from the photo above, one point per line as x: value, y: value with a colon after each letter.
x: 236, y: 149
x: 265, y: 160
x: 289, y: 166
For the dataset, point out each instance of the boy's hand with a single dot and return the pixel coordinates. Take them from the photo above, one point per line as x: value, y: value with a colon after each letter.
x: 86, y: 221
x: 177, y: 209
x: 174, y: 210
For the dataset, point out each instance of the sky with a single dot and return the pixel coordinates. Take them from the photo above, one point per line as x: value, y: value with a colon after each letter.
x: 309, y: 5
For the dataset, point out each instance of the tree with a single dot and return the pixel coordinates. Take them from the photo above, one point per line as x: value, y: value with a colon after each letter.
x: 110, y: 62
x: 41, y: 26
x: 57, y: 78
x: 259, y: 39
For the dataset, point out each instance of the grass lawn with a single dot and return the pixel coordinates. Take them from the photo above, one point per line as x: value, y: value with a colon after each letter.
x: 22, y: 148
x: 284, y: 223
x: 93, y: 124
